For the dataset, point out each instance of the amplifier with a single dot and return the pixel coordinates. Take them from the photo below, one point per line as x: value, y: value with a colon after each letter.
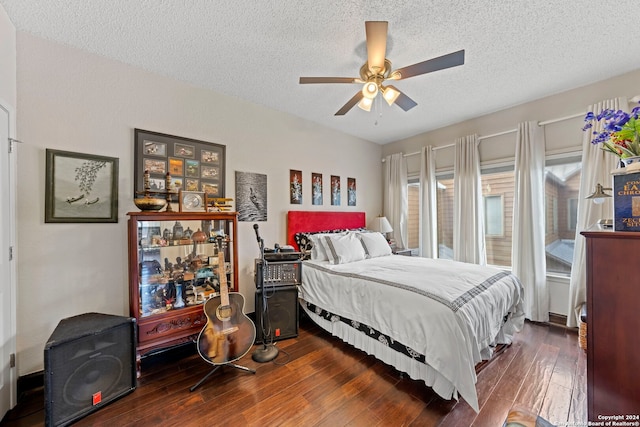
x: 280, y: 273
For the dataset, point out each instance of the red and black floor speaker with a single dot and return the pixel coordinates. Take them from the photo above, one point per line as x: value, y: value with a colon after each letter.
x: 276, y: 313
x: 89, y: 361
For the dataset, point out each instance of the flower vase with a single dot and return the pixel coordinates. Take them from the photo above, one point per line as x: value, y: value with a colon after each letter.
x: 626, y: 162
x: 631, y: 164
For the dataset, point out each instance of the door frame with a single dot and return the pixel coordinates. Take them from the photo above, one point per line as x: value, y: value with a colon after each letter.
x: 10, y: 317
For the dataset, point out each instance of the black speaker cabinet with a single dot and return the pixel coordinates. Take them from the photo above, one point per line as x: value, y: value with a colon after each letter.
x: 280, y: 313
x: 89, y: 361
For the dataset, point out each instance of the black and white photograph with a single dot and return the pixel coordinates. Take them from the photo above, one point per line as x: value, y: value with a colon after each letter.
x: 251, y: 196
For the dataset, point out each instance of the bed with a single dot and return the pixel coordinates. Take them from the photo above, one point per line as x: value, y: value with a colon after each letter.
x: 434, y: 320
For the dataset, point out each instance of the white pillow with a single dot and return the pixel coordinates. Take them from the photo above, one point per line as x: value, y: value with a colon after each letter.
x: 343, y: 248
x: 375, y: 245
x: 318, y: 252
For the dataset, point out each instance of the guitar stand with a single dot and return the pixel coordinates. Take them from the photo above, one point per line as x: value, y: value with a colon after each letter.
x: 233, y: 365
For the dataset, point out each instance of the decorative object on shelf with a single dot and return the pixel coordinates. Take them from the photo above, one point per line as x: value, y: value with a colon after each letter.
x: 620, y: 134
x: 626, y: 198
x: 187, y: 233
x: 191, y: 201
x: 177, y: 230
x: 192, y: 165
x: 80, y: 187
x: 218, y: 204
x: 148, y: 202
x: 199, y: 236
x: 169, y: 192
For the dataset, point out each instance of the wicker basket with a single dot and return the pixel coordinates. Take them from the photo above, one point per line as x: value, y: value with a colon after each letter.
x: 582, y: 335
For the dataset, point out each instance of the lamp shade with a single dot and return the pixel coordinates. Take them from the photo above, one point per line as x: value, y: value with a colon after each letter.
x: 381, y: 224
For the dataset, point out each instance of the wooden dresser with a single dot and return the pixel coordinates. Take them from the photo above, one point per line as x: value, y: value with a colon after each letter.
x: 613, y: 324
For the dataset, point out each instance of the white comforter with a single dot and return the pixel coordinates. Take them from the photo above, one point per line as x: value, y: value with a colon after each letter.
x: 450, y: 312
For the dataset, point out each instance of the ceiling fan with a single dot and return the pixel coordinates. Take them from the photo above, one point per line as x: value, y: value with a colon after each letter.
x: 377, y: 70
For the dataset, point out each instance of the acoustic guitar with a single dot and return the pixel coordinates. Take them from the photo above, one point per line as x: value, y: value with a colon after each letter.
x: 229, y: 333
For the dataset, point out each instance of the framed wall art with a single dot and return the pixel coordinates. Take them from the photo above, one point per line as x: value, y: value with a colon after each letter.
x: 295, y: 187
x: 351, y: 191
x: 80, y: 187
x: 251, y: 196
x: 195, y: 166
x: 335, y: 190
x: 316, y: 188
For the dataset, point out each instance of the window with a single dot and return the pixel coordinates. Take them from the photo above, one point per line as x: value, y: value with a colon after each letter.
x: 498, y: 193
x: 572, y: 208
x: 413, y: 217
x: 562, y: 183
x: 444, y: 200
x: 493, y: 216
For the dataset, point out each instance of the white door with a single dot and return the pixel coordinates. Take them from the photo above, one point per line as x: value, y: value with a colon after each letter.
x: 7, y: 268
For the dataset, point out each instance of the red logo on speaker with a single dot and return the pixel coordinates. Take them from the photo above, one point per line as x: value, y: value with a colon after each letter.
x: 278, y: 332
x: 97, y: 398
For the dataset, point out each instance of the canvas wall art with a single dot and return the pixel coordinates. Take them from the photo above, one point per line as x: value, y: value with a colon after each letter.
x: 251, y: 196
x: 295, y: 187
x: 316, y: 189
x: 335, y: 190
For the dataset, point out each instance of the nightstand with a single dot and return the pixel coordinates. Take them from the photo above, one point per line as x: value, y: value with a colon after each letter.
x: 405, y: 252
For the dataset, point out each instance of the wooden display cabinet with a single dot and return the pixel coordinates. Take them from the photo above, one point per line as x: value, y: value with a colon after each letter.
x: 613, y: 322
x: 173, y: 269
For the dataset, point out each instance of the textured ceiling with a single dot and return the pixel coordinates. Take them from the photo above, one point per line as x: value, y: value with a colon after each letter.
x: 515, y: 50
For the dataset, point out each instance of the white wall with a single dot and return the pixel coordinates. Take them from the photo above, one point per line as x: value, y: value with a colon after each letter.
x: 8, y: 55
x: 71, y: 100
x: 561, y: 137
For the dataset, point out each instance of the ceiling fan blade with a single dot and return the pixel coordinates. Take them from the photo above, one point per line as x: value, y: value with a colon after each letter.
x: 312, y: 80
x: 376, y: 44
x: 440, y: 63
x: 349, y: 105
x: 404, y: 102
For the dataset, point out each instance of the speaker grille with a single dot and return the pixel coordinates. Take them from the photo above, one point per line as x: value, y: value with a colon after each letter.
x: 280, y: 316
x: 88, y: 367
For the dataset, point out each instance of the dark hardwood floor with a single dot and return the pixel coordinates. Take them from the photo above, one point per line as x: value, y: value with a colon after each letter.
x: 317, y: 380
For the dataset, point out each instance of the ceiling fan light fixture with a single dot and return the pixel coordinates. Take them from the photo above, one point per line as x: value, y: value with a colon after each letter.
x: 390, y: 94
x: 370, y: 90
x: 365, y: 104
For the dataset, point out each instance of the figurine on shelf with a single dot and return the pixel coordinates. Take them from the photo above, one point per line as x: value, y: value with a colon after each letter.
x: 187, y: 233
x: 177, y: 231
x: 179, y: 301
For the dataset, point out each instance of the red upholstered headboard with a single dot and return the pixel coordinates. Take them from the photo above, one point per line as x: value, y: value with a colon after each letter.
x: 305, y: 221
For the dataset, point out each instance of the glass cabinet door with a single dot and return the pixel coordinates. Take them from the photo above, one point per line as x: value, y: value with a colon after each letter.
x: 181, y: 263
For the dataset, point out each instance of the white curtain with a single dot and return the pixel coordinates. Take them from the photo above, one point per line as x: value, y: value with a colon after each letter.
x: 528, y: 244
x: 596, y: 168
x: 428, y: 204
x: 395, y: 196
x: 468, y: 212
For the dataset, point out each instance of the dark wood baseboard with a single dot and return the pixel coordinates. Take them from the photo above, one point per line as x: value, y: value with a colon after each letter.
x: 28, y: 383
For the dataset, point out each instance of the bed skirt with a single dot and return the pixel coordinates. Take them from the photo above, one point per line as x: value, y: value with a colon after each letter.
x: 415, y: 369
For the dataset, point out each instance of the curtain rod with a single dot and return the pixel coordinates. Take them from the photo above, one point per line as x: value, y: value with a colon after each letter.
x: 506, y: 132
